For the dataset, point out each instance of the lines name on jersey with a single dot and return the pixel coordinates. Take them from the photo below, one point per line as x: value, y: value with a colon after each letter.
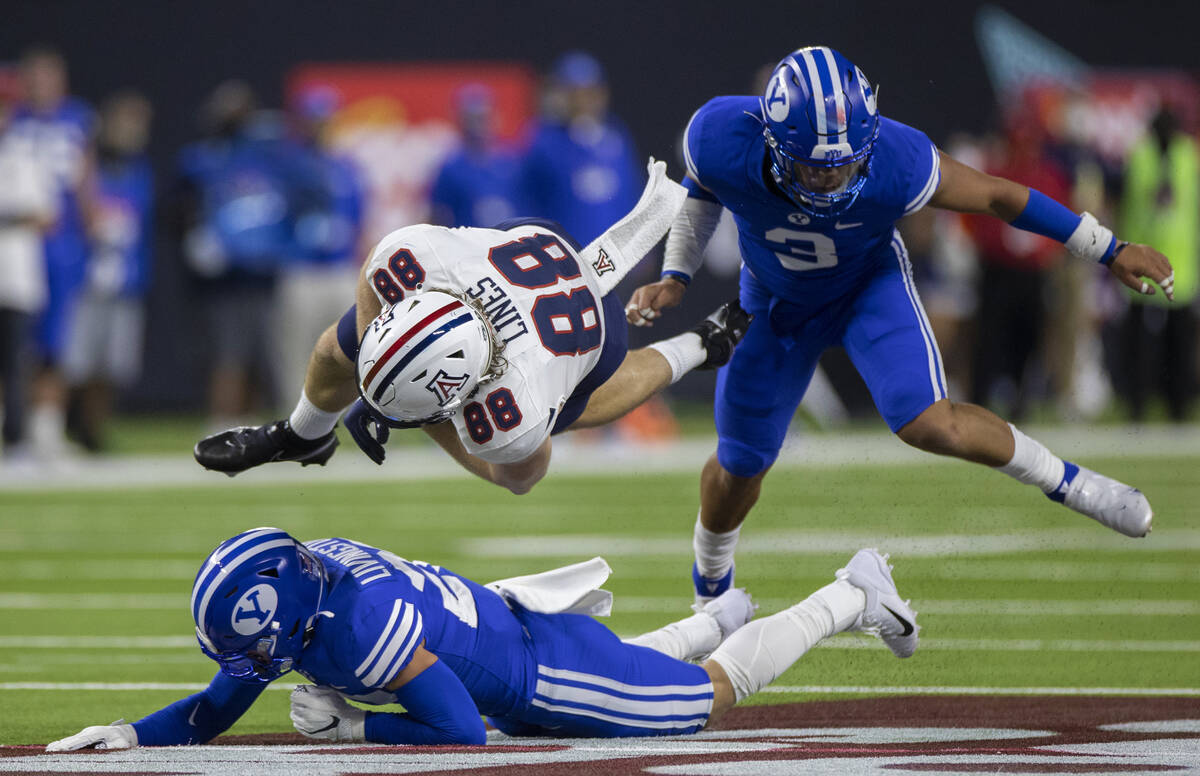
x: 499, y: 308
x: 361, y: 565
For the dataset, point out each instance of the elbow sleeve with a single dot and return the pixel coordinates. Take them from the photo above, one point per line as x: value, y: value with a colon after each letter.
x: 693, y: 228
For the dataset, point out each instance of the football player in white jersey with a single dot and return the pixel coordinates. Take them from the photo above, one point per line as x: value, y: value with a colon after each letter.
x: 507, y: 333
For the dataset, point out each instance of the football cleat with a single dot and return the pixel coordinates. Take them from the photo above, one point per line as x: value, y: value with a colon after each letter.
x: 1107, y: 501
x: 732, y: 609
x: 886, y: 615
x: 707, y: 589
x: 245, y: 447
x: 721, y: 331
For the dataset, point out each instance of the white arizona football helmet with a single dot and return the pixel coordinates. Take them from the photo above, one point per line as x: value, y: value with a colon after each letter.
x: 424, y: 356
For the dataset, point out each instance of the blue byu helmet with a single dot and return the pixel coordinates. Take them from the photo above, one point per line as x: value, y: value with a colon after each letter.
x: 820, y: 124
x: 254, y: 602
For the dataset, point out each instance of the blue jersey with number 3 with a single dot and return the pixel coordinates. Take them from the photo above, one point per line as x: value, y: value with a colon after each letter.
x: 804, y: 260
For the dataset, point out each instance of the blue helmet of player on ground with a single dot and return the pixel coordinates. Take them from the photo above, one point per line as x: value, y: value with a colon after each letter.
x: 255, y: 600
x: 820, y: 124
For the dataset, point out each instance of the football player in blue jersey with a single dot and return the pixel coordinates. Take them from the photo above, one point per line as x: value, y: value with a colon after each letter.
x: 815, y: 180
x: 364, y: 624
x: 57, y: 129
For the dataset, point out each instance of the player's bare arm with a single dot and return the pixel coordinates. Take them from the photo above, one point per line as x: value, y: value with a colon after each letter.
x: 329, y: 381
x: 518, y: 477
x: 690, y: 233
x: 966, y: 190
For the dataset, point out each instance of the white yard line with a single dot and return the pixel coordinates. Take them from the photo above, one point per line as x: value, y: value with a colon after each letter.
x: 835, y: 448
x: 98, y: 642
x: 992, y: 607
x: 1132, y: 569
x: 774, y: 689
x: 951, y: 690
x: 91, y: 643
x: 799, y: 542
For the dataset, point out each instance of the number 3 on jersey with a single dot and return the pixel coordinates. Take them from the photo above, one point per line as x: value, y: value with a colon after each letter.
x: 806, y: 250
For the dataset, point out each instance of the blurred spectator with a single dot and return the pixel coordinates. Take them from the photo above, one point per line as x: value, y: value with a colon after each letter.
x: 58, y: 128
x: 1161, y: 208
x: 104, y: 344
x: 1014, y: 279
x: 478, y: 183
x: 581, y: 169
x: 235, y: 230
x: 945, y: 267
x: 27, y: 209
x: 325, y: 202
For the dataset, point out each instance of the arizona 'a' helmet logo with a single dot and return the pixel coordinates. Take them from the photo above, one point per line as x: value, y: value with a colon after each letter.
x: 446, y: 386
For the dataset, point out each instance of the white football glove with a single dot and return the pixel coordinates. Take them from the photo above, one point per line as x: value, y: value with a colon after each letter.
x: 118, y: 735
x: 320, y: 712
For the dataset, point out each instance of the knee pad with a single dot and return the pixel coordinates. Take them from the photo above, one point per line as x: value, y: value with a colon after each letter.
x: 742, y: 460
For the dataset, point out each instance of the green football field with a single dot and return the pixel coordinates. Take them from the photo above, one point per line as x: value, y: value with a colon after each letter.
x: 1013, y: 591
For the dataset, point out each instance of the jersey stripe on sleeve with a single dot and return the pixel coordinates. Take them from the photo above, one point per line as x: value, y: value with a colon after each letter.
x: 687, y: 148
x: 392, y: 649
x: 931, y: 184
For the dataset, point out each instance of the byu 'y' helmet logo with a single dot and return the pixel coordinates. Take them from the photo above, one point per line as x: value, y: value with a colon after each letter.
x: 254, y: 610
x: 778, y: 102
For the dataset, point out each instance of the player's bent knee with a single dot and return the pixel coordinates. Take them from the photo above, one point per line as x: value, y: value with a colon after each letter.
x: 935, y: 430
x: 742, y: 460
x: 724, y: 696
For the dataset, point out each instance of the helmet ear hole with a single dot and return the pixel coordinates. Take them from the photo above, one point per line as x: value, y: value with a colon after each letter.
x: 457, y: 354
x: 232, y: 591
x: 420, y: 376
x: 269, y: 573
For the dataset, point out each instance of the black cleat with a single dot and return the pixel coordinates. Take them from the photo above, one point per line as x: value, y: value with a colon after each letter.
x: 721, y: 331
x: 245, y: 447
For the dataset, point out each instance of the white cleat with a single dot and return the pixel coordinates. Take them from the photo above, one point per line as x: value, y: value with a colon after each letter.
x: 1107, y: 501
x: 886, y: 615
x: 732, y: 609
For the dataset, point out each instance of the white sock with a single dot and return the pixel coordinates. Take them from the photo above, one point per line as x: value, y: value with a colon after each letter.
x: 687, y: 639
x: 310, y: 421
x: 757, y: 653
x: 47, y: 428
x: 1032, y: 463
x: 714, y: 551
x: 683, y: 353
x: 844, y: 601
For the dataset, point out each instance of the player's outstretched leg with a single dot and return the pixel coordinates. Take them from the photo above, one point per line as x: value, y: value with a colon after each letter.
x: 697, y: 636
x: 863, y: 597
x: 238, y: 449
x: 647, y: 371
x: 975, y: 434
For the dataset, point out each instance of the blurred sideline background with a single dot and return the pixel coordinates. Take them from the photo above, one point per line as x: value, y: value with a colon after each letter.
x: 200, y: 183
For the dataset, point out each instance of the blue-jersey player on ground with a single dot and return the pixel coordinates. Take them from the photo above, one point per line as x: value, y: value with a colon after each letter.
x: 815, y: 179
x: 364, y: 624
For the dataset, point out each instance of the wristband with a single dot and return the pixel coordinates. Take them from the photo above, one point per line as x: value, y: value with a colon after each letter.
x: 1092, y: 241
x: 675, y: 275
x: 1082, y: 234
x: 1116, y: 251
